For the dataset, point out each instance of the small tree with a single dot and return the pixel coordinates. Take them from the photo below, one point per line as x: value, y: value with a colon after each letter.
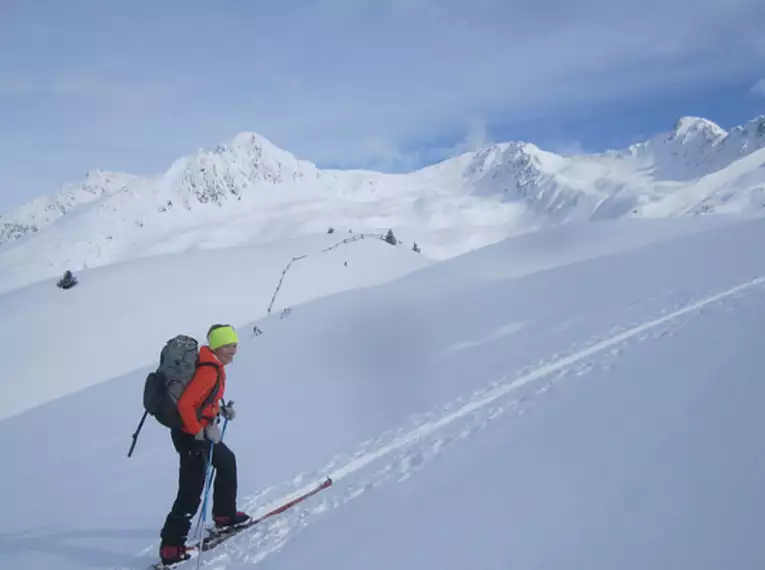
x: 390, y: 238
x: 67, y: 281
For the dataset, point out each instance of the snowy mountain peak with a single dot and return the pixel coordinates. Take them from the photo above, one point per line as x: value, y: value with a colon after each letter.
x: 260, y: 152
x: 754, y: 128
x: 687, y: 127
x: 232, y: 169
x: 97, y: 183
x: 250, y: 139
x: 43, y: 211
x: 517, y: 153
x: 248, y: 190
x: 695, y: 148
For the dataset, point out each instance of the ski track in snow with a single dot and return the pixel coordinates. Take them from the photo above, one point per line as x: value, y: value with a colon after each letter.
x: 498, y: 334
x: 405, y: 459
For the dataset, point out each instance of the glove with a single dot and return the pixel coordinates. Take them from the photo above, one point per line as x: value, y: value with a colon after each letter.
x: 209, y: 433
x: 228, y: 411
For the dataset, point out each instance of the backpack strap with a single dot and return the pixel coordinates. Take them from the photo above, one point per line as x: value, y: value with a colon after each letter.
x: 211, y: 397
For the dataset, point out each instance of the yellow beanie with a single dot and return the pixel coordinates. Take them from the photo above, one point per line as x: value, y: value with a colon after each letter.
x: 221, y: 336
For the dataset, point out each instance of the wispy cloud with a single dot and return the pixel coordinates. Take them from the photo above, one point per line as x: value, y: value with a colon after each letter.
x: 351, y: 72
x: 759, y: 87
x: 388, y: 84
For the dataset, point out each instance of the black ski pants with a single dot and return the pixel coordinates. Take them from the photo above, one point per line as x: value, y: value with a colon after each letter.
x: 191, y: 480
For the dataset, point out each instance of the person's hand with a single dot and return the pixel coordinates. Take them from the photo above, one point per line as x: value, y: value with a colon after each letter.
x: 212, y: 432
x: 228, y: 411
x: 209, y: 433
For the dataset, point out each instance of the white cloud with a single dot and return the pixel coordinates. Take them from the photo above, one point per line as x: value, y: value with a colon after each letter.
x: 759, y: 87
x: 477, y: 137
x: 396, y: 78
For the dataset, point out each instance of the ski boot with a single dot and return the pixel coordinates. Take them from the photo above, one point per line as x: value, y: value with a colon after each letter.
x: 225, y: 523
x: 172, y: 554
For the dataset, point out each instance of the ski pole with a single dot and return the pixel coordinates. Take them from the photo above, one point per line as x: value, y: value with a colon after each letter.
x: 209, y: 474
x: 135, y: 435
x: 208, y: 481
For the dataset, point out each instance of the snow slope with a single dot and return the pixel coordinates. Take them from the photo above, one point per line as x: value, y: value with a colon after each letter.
x: 248, y: 191
x: 114, y: 320
x: 600, y: 413
x: 738, y: 188
x: 172, y: 293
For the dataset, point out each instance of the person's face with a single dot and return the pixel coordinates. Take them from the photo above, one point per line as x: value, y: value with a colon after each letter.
x: 226, y: 353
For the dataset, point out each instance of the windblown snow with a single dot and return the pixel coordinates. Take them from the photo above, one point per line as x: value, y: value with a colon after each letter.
x: 584, y: 396
x: 249, y: 192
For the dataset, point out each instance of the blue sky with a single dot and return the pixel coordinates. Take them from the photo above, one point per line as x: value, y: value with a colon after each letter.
x: 386, y: 84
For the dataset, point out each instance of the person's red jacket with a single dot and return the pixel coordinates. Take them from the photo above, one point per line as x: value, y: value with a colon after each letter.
x: 198, y: 391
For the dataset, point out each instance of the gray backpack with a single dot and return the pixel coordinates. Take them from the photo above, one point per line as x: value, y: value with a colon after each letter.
x: 163, y: 388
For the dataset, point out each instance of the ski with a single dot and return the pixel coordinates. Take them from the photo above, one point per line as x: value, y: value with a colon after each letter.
x: 216, y: 537
x: 163, y: 566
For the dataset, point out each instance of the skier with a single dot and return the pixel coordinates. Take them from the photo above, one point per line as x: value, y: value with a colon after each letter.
x: 192, y: 443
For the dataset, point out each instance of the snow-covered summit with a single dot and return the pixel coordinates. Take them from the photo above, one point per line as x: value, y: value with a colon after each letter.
x: 248, y: 190
x: 688, y: 127
x: 696, y: 147
x: 43, y: 211
x: 231, y: 171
